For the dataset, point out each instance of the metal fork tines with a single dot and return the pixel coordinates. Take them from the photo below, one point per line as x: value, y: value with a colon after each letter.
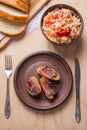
x: 8, y: 72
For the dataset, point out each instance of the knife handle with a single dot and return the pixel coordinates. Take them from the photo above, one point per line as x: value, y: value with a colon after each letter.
x: 78, y: 112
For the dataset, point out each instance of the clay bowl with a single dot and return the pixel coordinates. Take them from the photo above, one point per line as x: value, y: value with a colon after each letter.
x: 60, y: 34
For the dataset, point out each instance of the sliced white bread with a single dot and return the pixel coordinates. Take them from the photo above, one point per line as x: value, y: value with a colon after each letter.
x: 11, y: 28
x: 12, y: 13
x: 19, y: 4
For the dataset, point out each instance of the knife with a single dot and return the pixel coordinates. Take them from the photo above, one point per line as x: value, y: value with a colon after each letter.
x: 77, y: 82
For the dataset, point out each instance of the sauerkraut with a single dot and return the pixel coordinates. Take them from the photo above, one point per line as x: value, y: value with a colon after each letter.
x: 61, y: 25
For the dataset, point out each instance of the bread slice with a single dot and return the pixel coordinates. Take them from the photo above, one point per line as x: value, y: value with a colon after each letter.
x: 12, y: 13
x: 11, y: 28
x: 19, y: 4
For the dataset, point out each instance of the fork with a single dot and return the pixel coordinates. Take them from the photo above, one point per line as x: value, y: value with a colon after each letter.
x: 8, y: 72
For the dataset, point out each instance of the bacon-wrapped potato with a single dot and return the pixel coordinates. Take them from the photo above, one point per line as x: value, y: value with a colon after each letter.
x: 48, y: 72
x: 48, y: 87
x: 33, y: 86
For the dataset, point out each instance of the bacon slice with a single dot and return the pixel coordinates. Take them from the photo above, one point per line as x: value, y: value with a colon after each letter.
x: 48, y: 72
x: 33, y: 87
x: 48, y: 87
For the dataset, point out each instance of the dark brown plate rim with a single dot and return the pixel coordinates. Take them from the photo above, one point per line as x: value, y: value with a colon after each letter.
x: 24, y: 60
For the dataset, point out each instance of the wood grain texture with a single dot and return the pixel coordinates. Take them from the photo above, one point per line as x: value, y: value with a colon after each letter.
x: 24, y: 118
x: 59, y: 119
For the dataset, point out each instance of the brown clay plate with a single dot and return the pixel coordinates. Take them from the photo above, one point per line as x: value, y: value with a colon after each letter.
x: 28, y: 66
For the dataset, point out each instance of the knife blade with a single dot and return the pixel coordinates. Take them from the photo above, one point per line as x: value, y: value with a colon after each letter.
x: 77, y: 83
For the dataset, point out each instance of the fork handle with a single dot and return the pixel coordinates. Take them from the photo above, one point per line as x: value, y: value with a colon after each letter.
x: 7, y: 101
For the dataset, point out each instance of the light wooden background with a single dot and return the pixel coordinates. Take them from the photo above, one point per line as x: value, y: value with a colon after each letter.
x: 59, y: 119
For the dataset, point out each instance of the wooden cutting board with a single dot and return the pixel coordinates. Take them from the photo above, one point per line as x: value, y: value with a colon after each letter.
x: 35, y: 6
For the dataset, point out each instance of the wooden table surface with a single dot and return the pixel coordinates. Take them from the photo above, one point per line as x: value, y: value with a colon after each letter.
x: 63, y: 118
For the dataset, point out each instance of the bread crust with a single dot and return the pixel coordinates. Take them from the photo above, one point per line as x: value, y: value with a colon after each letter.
x: 11, y: 28
x: 14, y: 18
x: 26, y: 1
x: 22, y: 6
x: 19, y: 4
x: 13, y: 35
